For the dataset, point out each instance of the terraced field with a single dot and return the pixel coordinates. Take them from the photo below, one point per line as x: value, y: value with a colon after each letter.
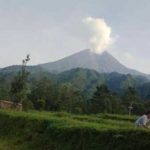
x: 62, y: 131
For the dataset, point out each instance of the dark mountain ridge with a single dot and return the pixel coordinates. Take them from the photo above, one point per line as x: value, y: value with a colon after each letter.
x: 86, y: 80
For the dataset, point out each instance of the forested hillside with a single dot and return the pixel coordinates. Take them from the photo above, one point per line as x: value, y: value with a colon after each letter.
x: 74, y: 91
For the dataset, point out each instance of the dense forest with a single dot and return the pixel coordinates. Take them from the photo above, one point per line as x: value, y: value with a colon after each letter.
x: 75, y: 91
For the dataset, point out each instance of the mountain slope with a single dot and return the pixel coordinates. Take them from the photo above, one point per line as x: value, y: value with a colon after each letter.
x: 103, y: 63
x: 86, y: 80
x: 83, y: 80
x: 15, y: 68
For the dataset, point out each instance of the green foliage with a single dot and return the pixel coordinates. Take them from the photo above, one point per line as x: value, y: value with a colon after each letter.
x: 45, y: 90
x: 41, y: 104
x: 27, y: 105
x: 62, y: 131
x: 104, y: 101
x: 18, y: 85
x: 74, y: 91
x: 70, y: 100
x: 132, y: 101
x: 131, y: 96
x: 85, y: 80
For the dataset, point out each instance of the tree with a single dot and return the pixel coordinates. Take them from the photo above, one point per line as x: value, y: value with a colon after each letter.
x: 132, y: 100
x: 43, y: 94
x: 101, y: 100
x: 18, y: 89
x: 117, y: 107
x: 4, y: 93
x: 69, y: 100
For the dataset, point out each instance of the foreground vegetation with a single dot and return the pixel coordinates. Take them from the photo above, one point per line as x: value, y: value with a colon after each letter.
x: 63, y: 131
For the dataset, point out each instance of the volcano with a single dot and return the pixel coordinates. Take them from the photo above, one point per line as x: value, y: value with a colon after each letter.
x: 103, y: 63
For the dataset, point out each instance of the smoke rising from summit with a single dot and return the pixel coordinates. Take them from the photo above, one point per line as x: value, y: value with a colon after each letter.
x: 100, y: 34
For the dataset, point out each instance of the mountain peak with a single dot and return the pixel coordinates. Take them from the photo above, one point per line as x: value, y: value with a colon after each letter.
x: 89, y: 51
x: 104, y: 53
x: 103, y: 63
x: 108, y: 55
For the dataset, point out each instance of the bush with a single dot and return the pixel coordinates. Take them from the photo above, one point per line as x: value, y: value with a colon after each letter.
x: 27, y: 105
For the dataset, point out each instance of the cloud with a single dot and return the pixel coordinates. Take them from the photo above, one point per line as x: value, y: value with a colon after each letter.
x: 100, y: 34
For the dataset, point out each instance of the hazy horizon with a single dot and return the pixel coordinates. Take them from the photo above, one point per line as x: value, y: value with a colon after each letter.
x: 50, y: 30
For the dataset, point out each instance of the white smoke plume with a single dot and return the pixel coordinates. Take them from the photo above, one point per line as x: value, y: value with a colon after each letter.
x: 100, y: 34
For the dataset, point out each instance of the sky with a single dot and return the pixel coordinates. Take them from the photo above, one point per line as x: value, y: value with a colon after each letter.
x: 52, y: 29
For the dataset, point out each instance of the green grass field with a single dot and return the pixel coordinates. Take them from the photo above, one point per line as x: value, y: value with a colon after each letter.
x: 63, y: 131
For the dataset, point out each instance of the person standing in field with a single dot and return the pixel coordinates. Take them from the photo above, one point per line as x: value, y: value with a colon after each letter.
x: 143, y: 120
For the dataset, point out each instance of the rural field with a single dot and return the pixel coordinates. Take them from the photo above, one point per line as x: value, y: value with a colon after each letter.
x: 63, y: 131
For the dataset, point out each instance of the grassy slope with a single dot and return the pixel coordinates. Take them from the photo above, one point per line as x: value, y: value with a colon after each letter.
x: 62, y: 131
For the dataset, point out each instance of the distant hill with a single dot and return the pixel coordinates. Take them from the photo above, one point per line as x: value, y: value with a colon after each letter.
x: 35, y: 72
x: 86, y: 80
x: 102, y: 63
x: 144, y: 90
x: 16, y: 68
x: 83, y: 80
